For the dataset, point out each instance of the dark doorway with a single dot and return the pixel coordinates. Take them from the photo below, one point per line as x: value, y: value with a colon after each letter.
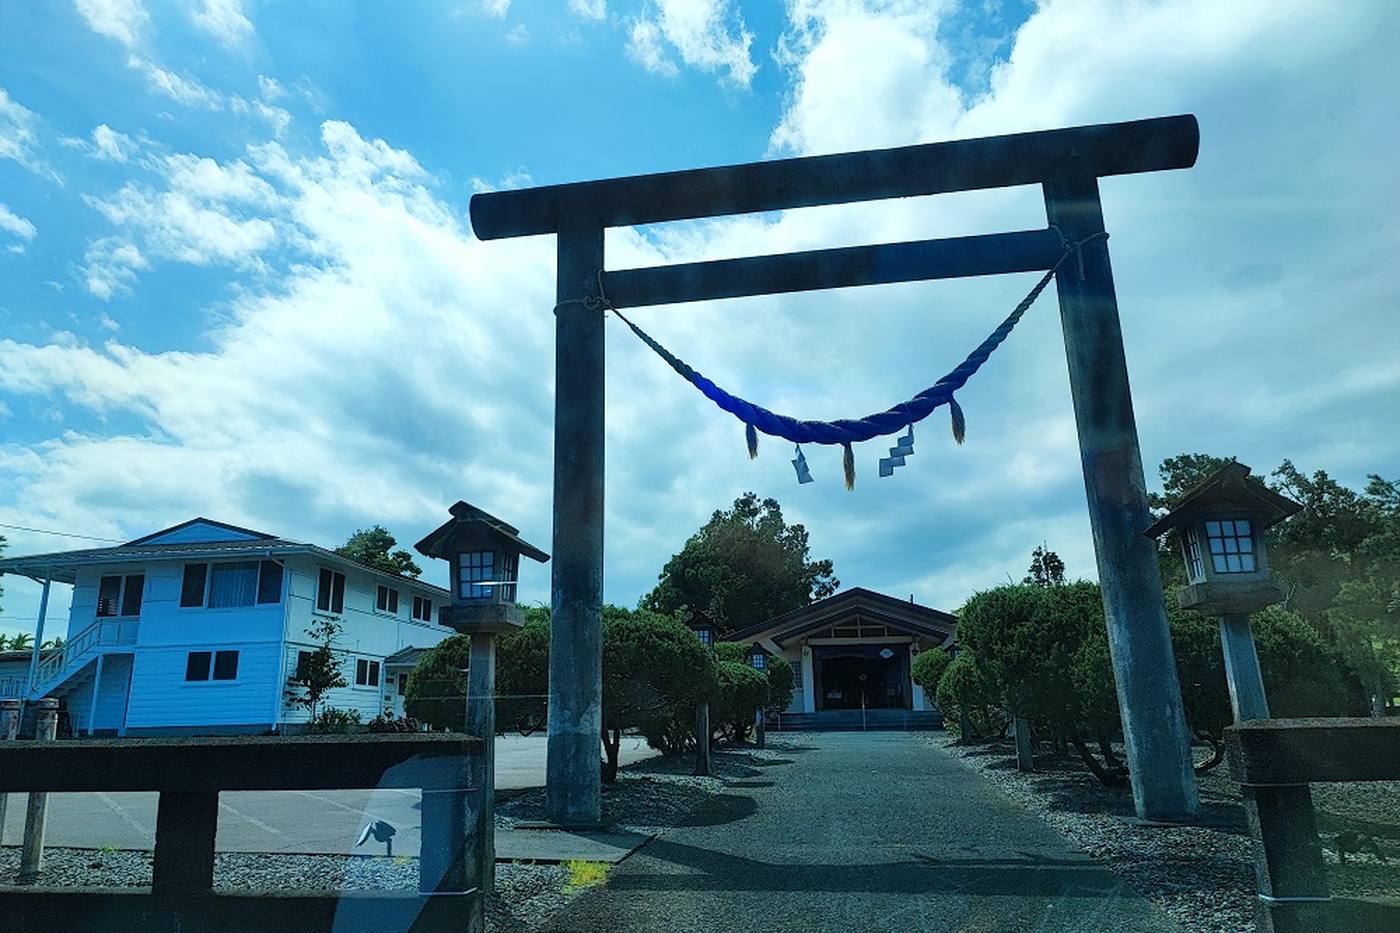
x: 862, y: 676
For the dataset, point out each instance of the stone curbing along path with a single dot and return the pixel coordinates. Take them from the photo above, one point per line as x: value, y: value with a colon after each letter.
x: 860, y: 831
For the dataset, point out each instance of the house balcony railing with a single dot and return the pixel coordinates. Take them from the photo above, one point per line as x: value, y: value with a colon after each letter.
x: 80, y: 648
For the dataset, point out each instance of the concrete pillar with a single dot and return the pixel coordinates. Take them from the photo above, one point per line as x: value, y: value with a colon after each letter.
x: 702, y: 738
x: 481, y: 722
x: 809, y: 692
x: 1025, y: 752
x: 36, y: 818
x: 1242, y: 674
x: 9, y: 728
x: 1149, y: 697
x: 573, y: 793
x: 96, y: 689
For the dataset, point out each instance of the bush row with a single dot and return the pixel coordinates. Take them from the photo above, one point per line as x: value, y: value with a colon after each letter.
x: 1041, y: 653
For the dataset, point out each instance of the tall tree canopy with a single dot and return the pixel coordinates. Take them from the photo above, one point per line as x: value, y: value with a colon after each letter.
x: 373, y: 547
x: 743, y: 566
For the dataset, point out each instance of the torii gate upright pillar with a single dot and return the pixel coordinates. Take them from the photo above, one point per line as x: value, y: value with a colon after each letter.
x: 1067, y: 163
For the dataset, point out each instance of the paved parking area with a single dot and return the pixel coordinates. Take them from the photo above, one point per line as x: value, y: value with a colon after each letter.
x: 320, y: 822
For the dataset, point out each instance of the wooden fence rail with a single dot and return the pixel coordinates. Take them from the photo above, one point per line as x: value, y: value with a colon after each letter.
x: 189, y: 774
x: 1275, y: 761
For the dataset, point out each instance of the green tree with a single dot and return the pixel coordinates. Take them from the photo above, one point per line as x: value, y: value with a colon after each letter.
x: 780, y: 682
x: 655, y: 671
x: 522, y: 674
x: 321, y: 673
x: 436, y: 692
x: 740, y: 692
x: 962, y: 691
x: 374, y: 547
x: 1046, y: 568
x: 745, y: 565
x: 928, y: 667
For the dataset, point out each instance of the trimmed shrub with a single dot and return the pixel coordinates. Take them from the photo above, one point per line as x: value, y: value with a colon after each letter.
x: 780, y: 682
x: 928, y: 668
x: 332, y: 721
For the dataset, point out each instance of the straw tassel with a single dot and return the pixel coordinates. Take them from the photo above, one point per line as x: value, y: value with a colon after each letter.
x: 959, y: 422
x: 848, y: 461
x: 751, y: 436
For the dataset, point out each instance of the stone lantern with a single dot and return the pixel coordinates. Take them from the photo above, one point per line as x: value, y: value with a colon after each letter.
x: 1221, y: 526
x: 703, y: 626
x: 484, y: 554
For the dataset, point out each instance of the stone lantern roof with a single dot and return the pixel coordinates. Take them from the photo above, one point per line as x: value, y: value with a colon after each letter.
x: 1229, y: 488
x: 471, y: 525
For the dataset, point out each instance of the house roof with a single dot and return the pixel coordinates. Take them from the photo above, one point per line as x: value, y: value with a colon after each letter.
x: 63, y: 566
x: 902, y: 614
x: 405, y: 657
x: 438, y: 542
x: 1230, y: 487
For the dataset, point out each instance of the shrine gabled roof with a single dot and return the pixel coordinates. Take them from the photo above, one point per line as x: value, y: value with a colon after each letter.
x: 438, y: 542
x: 868, y: 604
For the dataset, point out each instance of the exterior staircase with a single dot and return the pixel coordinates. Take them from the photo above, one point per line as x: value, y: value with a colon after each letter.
x: 855, y: 720
x: 58, y: 671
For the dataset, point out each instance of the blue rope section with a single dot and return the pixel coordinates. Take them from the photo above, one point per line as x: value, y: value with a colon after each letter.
x: 848, y: 431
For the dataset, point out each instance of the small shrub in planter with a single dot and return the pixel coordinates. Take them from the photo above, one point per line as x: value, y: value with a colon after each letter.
x: 388, y: 722
x: 334, y: 721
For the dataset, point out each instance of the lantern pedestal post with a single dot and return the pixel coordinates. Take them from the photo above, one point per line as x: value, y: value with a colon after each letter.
x: 1242, y: 674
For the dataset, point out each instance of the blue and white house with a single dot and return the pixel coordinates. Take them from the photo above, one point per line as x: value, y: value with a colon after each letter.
x: 201, y: 628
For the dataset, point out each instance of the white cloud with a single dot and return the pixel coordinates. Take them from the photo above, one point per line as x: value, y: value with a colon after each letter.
x: 18, y: 140
x: 270, y: 88
x: 496, y: 8
x: 183, y: 90
x: 224, y: 20
x: 589, y: 9
x: 15, y: 225
x: 122, y: 20
x: 110, y: 145
x: 708, y: 35
x: 110, y: 266
x: 518, y: 34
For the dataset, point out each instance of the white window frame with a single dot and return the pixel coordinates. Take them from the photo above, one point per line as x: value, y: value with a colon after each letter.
x: 374, y: 664
x: 390, y: 599
x: 124, y: 580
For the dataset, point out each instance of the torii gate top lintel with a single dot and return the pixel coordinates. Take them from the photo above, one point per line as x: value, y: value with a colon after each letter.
x: 1029, y: 158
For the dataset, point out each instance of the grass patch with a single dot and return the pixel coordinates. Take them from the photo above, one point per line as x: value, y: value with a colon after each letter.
x: 584, y: 874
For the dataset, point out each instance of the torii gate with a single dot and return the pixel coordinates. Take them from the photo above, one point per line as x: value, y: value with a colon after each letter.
x: 1067, y: 164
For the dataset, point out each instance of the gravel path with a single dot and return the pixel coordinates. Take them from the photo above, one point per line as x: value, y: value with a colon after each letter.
x: 1202, y: 876
x: 871, y: 832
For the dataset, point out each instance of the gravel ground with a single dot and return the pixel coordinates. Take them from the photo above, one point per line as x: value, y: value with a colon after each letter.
x: 649, y: 797
x: 1202, y: 876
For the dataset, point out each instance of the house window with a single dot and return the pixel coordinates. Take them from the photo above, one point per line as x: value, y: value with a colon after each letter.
x: 473, y: 567
x: 303, y: 666
x: 197, y: 665
x: 269, y: 582
x: 759, y: 661
x: 403, y: 684
x: 224, y: 665
x: 1231, y: 546
x: 422, y: 609
x: 120, y: 595
x: 704, y: 635
x: 366, y: 673
x: 231, y: 585
x: 387, y: 600
x: 330, y: 592
x: 1195, y: 567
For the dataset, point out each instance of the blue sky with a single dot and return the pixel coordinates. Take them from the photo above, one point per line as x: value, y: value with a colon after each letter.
x: 237, y: 278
